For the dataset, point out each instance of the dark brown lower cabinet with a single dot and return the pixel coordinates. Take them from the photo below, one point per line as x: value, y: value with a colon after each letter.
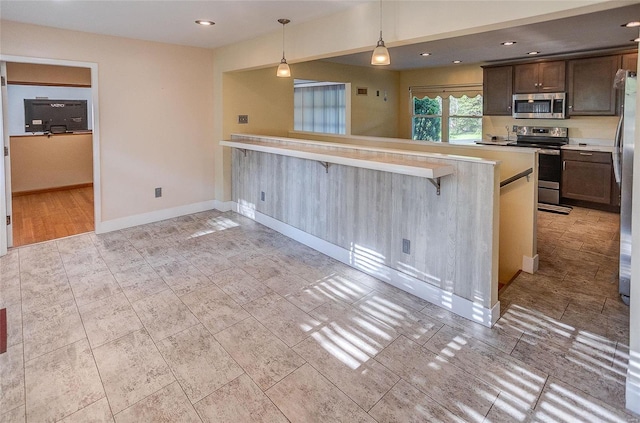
x: 588, y: 176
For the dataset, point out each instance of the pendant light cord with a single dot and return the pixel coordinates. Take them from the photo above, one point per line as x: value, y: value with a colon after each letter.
x: 283, y: 42
x: 381, y: 19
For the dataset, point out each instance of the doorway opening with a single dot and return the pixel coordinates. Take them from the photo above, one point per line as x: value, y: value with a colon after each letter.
x: 52, y: 172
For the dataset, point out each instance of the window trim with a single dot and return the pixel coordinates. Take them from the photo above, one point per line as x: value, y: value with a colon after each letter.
x: 347, y: 103
x: 444, y: 91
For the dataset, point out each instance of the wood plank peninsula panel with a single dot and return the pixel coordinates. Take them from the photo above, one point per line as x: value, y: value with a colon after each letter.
x: 361, y: 206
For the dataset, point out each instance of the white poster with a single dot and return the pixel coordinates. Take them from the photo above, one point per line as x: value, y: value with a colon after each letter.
x: 17, y: 94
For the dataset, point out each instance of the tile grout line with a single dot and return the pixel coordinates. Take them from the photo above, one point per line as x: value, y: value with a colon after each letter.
x: 85, y: 334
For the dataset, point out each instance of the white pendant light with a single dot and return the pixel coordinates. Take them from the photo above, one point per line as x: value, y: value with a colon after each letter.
x: 283, y: 68
x: 380, y: 55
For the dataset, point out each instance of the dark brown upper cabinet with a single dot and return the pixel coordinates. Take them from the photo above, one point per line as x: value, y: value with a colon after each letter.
x: 630, y: 62
x: 591, y: 91
x: 539, y: 77
x: 498, y: 84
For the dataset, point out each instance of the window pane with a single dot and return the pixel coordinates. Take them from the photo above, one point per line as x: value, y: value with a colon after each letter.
x: 320, y: 108
x: 427, y: 128
x: 465, y: 106
x: 427, y: 106
x: 465, y: 129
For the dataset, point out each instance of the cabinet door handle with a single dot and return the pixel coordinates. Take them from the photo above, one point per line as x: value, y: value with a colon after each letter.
x: 564, y: 164
x: 586, y: 154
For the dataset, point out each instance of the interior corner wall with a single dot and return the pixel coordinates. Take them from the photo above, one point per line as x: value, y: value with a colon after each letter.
x: 350, y: 31
x: 266, y: 99
x: 373, y: 114
x: 156, y: 112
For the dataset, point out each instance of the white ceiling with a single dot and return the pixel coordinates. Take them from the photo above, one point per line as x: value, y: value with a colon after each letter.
x: 173, y: 22
x: 594, y: 31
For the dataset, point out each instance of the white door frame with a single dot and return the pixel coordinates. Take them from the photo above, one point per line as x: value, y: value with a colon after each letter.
x: 6, y: 235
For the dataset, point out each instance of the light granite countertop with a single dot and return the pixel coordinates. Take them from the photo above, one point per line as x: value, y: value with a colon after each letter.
x: 401, y: 162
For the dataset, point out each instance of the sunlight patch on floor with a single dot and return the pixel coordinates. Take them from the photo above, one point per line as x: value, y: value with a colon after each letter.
x: 559, y: 403
x: 366, y: 259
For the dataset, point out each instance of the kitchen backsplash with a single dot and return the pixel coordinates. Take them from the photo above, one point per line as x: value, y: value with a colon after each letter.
x: 592, y: 130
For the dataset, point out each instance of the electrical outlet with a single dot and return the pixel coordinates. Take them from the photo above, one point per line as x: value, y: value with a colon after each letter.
x: 406, y: 246
x: 158, y: 192
x: 515, y: 128
x: 261, y: 195
x: 243, y: 118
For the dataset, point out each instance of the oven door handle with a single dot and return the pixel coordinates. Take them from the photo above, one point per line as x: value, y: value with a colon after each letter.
x: 549, y: 152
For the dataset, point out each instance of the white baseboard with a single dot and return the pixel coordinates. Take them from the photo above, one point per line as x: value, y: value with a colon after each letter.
x: 224, y: 206
x: 530, y: 264
x: 156, y: 216
x: 447, y: 300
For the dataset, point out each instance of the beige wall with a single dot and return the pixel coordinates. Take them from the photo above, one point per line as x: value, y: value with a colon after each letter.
x: 351, y: 31
x: 156, y: 114
x: 269, y: 100
x: 265, y: 98
x: 41, y: 162
x: 370, y: 114
x: 35, y: 74
x: 600, y: 129
x: 447, y: 75
x: 171, y: 88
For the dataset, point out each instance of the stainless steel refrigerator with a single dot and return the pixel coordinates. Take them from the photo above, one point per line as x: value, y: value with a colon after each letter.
x: 623, y: 170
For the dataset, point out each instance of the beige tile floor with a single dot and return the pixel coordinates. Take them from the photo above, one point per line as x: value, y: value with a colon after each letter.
x: 214, y: 318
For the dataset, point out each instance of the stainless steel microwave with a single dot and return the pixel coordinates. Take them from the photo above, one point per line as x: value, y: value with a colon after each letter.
x: 539, y: 106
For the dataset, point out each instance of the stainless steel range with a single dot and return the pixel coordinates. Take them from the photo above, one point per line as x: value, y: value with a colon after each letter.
x: 549, y: 141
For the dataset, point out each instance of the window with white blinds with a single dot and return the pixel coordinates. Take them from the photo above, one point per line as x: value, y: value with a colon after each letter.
x: 319, y: 107
x: 446, y: 113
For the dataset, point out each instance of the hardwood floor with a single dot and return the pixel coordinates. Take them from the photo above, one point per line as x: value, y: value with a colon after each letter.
x: 52, y: 215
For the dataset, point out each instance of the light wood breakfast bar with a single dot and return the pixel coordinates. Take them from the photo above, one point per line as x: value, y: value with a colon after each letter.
x: 426, y: 223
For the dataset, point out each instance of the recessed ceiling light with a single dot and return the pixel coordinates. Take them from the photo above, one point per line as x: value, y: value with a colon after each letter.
x: 631, y: 24
x: 508, y: 43
x: 533, y: 53
x: 205, y: 22
x: 425, y: 54
x: 457, y: 61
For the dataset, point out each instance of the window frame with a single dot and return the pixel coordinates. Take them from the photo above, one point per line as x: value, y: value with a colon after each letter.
x: 444, y: 92
x: 346, y: 118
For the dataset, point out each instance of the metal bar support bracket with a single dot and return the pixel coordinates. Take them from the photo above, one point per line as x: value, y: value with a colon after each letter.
x: 525, y: 173
x: 436, y: 183
x: 325, y: 165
